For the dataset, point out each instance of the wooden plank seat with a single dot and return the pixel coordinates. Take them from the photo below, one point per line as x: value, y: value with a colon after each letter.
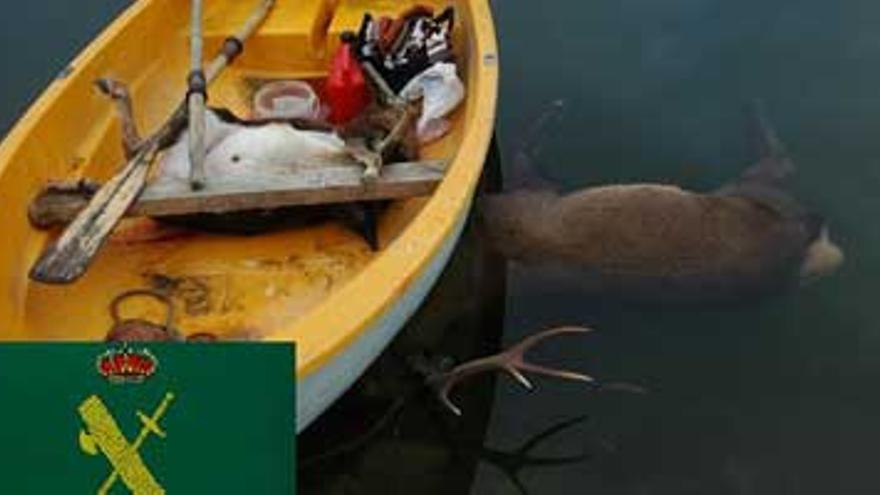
x: 326, y: 185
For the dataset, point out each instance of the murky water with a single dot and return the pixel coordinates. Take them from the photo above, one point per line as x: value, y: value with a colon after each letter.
x: 769, y: 398
x: 775, y: 397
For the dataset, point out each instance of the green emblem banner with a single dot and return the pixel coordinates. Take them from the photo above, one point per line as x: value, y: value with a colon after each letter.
x: 147, y: 418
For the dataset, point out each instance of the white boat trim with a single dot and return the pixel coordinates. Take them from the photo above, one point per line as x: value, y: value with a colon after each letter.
x: 320, y: 389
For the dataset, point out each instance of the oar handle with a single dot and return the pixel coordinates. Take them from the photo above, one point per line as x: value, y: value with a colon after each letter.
x: 196, y: 96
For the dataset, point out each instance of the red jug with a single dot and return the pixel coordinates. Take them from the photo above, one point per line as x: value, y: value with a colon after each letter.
x: 346, y: 88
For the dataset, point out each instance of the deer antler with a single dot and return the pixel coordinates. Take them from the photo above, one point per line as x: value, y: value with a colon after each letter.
x: 511, y: 361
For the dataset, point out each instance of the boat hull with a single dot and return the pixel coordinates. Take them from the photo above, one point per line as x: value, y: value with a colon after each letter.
x: 318, y: 391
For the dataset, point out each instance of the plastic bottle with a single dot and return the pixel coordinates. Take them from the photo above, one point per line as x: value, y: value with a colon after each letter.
x: 346, y: 88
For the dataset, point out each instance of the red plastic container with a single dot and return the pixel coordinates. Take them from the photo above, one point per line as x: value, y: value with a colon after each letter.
x: 346, y: 89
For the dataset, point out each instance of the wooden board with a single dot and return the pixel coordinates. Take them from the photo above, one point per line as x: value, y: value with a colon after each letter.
x: 337, y: 184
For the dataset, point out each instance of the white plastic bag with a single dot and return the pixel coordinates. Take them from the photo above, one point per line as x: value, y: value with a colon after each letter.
x: 441, y: 91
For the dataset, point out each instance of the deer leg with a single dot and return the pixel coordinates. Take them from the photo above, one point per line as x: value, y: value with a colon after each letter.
x: 372, y: 157
x: 397, y: 134
x: 358, y: 149
x: 118, y: 92
x: 524, y: 174
x: 398, y: 131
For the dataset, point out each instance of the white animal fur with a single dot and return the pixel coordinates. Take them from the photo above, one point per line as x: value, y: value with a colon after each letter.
x: 276, y: 148
x: 174, y: 164
x: 239, y: 150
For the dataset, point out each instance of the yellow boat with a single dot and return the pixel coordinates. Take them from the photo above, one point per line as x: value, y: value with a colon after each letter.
x: 319, y: 286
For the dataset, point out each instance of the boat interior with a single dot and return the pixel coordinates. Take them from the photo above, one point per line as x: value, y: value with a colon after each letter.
x: 234, y: 286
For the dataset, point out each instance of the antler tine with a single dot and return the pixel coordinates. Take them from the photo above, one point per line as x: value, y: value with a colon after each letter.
x: 518, y: 351
x: 525, y: 344
x: 445, y: 382
x: 512, y: 361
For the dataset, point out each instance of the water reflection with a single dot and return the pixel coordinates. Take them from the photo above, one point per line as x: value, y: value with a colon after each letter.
x: 389, y: 433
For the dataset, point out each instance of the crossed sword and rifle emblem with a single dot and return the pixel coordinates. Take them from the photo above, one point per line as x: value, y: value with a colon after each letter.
x: 104, y: 436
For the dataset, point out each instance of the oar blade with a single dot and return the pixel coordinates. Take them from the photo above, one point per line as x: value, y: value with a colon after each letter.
x: 69, y: 257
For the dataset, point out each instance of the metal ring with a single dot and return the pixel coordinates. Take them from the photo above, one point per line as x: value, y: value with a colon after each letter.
x: 196, y: 83
x: 114, y: 305
x: 232, y: 48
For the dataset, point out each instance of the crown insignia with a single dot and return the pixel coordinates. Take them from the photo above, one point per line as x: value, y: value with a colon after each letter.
x: 126, y: 365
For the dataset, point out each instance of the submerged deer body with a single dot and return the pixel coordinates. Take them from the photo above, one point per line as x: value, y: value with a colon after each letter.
x: 661, y: 242
x: 652, y: 242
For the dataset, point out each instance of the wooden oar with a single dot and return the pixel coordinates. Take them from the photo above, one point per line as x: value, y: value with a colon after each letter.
x: 196, y: 96
x: 67, y: 259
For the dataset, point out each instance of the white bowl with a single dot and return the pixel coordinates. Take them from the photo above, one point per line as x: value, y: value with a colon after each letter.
x: 286, y: 100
